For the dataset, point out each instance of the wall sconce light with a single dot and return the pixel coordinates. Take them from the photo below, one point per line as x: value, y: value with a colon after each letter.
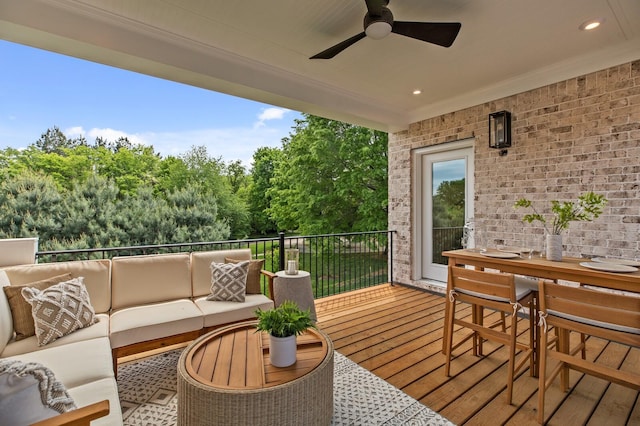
x: 500, y: 131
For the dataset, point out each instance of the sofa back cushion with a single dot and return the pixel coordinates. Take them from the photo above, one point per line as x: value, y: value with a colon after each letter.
x: 96, y: 273
x: 201, y: 267
x: 6, y: 321
x: 141, y: 280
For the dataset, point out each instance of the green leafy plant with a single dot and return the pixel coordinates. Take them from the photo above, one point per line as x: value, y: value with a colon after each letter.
x: 285, y: 320
x: 588, y: 207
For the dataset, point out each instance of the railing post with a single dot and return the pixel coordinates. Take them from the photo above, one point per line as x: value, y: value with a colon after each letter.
x: 391, y: 256
x: 281, y: 252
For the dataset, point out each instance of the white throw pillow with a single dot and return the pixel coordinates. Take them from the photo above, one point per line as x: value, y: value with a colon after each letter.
x: 60, y: 309
x: 229, y: 281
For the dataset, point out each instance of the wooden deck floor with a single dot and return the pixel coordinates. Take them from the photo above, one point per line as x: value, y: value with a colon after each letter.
x: 396, y: 333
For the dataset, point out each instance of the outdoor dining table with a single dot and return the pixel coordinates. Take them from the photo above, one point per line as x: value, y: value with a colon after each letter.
x: 569, y: 269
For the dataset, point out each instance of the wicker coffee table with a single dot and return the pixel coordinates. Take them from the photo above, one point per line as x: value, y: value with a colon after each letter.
x: 225, y: 378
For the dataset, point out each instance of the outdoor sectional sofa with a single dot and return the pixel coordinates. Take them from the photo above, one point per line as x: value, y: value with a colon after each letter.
x: 141, y: 303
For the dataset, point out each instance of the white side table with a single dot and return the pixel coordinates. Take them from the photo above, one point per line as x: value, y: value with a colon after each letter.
x: 296, y: 288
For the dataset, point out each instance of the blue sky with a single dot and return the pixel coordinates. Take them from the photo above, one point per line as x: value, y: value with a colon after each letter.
x: 40, y: 90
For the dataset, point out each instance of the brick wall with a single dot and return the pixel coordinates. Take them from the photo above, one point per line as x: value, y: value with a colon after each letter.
x: 569, y: 137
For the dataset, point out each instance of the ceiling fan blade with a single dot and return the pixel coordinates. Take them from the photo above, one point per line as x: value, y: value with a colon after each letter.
x: 440, y: 33
x: 375, y: 6
x: 334, y: 50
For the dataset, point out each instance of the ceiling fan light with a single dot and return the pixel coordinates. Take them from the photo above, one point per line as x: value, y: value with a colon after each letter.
x: 378, y: 30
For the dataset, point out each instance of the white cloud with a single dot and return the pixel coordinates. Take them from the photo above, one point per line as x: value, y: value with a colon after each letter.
x: 106, y: 134
x: 230, y: 144
x: 270, y: 114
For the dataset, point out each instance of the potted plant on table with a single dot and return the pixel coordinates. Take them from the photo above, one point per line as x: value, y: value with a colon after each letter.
x: 283, y: 324
x: 587, y: 208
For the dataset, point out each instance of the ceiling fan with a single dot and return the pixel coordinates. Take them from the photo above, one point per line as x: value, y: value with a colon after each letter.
x: 378, y: 23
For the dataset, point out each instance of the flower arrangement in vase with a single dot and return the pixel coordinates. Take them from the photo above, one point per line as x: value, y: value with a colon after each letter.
x: 588, y: 207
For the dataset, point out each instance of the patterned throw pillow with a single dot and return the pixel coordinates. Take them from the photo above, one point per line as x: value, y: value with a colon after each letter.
x: 229, y: 281
x: 253, y: 276
x: 60, y: 309
x: 21, y: 310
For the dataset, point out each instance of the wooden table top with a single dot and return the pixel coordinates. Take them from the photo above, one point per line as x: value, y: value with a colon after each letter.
x: 236, y: 357
x: 568, y: 269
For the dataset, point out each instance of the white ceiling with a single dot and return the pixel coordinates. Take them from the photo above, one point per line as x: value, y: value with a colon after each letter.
x: 259, y: 49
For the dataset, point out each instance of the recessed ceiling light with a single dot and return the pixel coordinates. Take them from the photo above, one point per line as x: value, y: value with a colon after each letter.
x: 417, y: 92
x: 591, y: 24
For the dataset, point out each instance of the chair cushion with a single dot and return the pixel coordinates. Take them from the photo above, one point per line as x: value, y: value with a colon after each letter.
x: 253, y: 276
x: 96, y: 273
x: 60, y: 309
x: 595, y: 323
x: 201, y: 267
x: 96, y: 391
x: 77, y: 363
x: 219, y: 312
x: 21, y: 310
x: 139, y: 280
x: 147, y: 322
x: 229, y: 281
x: 30, y: 344
x: 522, y: 289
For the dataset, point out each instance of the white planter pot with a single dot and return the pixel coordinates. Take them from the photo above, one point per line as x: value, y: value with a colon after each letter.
x: 554, y: 247
x: 282, y: 350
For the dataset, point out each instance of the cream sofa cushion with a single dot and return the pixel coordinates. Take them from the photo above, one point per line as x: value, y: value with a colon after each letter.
x: 96, y: 273
x: 148, y: 322
x: 139, y: 280
x: 201, y: 267
x: 218, y: 312
x: 253, y: 275
x: 6, y: 321
x: 77, y: 363
x: 30, y: 344
x: 96, y: 391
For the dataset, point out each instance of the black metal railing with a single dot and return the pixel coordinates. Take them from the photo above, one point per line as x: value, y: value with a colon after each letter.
x: 449, y: 238
x: 337, y: 262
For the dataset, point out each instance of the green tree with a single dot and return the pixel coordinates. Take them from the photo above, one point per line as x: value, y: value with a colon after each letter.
x: 208, y: 173
x: 448, y: 204
x: 332, y: 177
x: 258, y: 197
x: 90, y: 209
x: 30, y: 206
x: 236, y: 175
x: 195, y: 217
x: 130, y: 168
x: 55, y: 141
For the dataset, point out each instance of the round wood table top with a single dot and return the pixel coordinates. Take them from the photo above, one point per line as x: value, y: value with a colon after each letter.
x: 237, y: 357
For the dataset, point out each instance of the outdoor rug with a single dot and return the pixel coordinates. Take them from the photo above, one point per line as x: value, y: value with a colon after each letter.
x: 148, y: 395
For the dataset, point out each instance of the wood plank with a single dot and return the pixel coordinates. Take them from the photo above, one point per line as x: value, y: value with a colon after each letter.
x: 239, y: 363
x: 255, y: 363
x: 396, y: 332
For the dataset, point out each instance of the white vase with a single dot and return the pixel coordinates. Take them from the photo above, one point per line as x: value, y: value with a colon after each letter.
x: 554, y: 247
x: 282, y: 350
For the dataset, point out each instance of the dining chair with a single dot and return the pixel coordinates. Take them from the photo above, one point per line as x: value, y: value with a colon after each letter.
x: 492, y: 290
x: 610, y: 316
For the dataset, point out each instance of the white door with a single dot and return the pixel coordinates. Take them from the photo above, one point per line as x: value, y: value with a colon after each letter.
x: 445, y: 203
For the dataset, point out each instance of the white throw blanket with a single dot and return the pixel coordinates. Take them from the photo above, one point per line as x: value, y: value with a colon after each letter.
x: 52, y: 392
